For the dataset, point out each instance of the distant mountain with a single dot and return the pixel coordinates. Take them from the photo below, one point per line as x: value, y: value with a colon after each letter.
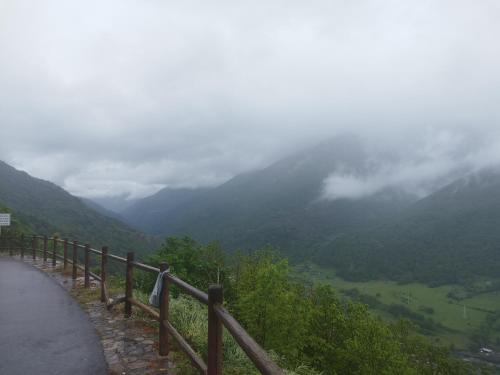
x: 152, y: 214
x: 278, y: 205
x: 114, y: 204
x: 46, y: 208
x: 451, y: 236
x: 103, y: 211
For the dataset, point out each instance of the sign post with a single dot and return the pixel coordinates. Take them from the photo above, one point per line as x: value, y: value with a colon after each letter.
x: 4, y: 221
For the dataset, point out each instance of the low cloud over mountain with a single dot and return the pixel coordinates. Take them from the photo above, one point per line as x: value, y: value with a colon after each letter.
x: 125, y: 97
x: 419, y: 167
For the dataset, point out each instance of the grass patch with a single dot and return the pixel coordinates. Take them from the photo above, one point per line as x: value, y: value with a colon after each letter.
x: 443, y: 304
x: 86, y: 295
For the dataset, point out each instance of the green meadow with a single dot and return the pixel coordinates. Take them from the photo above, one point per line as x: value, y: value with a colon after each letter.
x: 457, y: 320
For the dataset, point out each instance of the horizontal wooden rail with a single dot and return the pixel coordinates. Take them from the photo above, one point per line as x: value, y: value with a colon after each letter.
x: 95, y: 251
x: 253, y: 350
x: 196, y: 360
x: 116, y: 301
x: 218, y: 316
x: 79, y: 266
x: 189, y: 289
x: 60, y: 240
x: 95, y: 276
x: 116, y: 257
x: 145, y: 308
x: 145, y: 267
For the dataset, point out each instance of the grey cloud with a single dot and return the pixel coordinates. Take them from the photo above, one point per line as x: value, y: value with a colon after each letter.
x: 428, y: 162
x: 129, y: 96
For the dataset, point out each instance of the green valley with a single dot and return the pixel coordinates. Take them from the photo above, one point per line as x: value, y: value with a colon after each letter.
x: 443, y: 305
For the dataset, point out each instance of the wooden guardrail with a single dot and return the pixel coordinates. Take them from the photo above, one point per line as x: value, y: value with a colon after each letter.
x: 218, y: 316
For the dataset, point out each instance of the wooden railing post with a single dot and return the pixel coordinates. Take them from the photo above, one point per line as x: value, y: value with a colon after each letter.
x: 104, y: 266
x: 54, y: 248
x: 33, y: 246
x: 22, y: 246
x: 218, y: 316
x: 75, y: 258
x: 44, y: 248
x: 214, y: 360
x: 129, y: 284
x: 87, y: 266
x: 164, y: 307
x: 65, y: 253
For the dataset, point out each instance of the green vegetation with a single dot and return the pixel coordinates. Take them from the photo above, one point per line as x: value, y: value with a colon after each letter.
x: 438, y: 312
x: 308, y: 327
x: 441, y: 254
x: 278, y: 205
x: 194, y: 263
x: 450, y: 237
x: 45, y: 208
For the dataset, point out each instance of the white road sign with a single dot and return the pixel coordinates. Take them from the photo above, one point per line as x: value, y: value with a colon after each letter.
x: 4, y: 220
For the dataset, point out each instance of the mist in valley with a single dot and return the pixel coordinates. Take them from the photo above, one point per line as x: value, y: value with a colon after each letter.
x: 122, y: 99
x: 358, y: 140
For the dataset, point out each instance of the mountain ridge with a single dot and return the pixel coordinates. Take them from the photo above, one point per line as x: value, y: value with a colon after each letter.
x: 47, y: 208
x: 281, y: 204
x: 450, y: 236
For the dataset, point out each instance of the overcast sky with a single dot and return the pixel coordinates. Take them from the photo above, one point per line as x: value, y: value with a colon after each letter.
x: 125, y: 97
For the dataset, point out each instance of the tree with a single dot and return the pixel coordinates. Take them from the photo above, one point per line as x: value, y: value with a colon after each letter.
x: 345, y: 338
x: 197, y: 264
x: 269, y: 306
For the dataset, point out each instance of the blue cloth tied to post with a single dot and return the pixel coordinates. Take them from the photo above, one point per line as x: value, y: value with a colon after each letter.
x: 154, y: 298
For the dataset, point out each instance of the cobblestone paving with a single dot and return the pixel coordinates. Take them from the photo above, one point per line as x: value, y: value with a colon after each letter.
x: 130, y: 346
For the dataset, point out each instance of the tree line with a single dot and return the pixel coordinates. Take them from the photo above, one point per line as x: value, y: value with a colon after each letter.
x: 305, y: 324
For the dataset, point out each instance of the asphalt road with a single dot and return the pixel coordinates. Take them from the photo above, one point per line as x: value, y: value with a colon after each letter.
x: 42, y: 329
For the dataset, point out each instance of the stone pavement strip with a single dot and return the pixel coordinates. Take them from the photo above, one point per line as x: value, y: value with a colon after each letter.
x: 130, y: 346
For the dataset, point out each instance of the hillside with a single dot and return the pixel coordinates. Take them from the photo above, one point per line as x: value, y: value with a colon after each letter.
x: 278, y: 205
x: 102, y: 210
x: 451, y: 236
x: 46, y: 208
x: 151, y: 214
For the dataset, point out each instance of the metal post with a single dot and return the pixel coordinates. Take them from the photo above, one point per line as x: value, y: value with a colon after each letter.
x: 164, y: 307
x: 214, y: 362
x: 128, y: 284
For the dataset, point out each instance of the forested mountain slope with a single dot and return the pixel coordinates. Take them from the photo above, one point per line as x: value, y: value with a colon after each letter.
x: 279, y: 205
x: 451, y: 236
x: 152, y: 213
x: 47, y: 208
x: 92, y: 204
